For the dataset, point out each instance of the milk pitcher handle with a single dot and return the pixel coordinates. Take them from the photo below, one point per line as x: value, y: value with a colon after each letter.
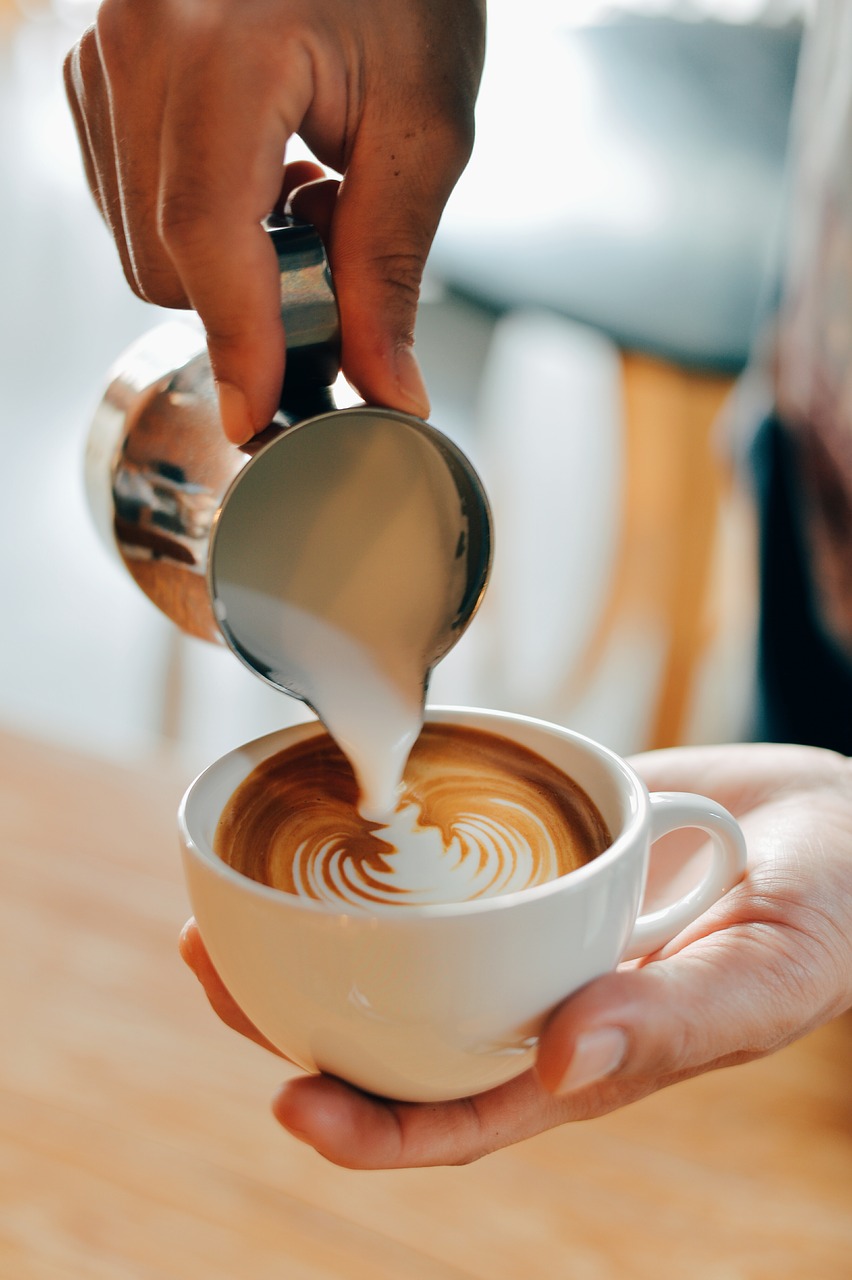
x: 308, y: 310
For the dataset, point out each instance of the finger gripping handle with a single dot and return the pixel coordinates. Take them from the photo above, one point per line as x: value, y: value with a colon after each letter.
x: 671, y: 811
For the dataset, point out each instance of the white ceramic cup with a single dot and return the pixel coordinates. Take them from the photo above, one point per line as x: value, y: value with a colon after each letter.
x: 442, y: 1001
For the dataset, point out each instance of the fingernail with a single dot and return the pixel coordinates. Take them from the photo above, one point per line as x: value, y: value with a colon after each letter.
x: 597, y: 1054
x: 410, y: 382
x: 234, y: 411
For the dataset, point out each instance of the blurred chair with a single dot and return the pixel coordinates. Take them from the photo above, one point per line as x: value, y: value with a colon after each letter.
x: 628, y: 177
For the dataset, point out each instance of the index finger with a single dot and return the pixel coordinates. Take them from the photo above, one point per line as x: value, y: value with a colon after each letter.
x: 224, y: 139
x: 359, y: 1131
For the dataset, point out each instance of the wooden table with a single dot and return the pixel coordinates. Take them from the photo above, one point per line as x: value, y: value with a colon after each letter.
x: 135, y: 1137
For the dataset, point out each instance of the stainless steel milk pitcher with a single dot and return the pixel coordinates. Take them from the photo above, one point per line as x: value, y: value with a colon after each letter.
x: 162, y: 478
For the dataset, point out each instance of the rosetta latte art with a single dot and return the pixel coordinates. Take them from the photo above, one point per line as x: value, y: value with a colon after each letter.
x: 485, y: 856
x: 478, y: 816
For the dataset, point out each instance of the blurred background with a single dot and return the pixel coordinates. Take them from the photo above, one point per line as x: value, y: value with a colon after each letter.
x: 605, y: 268
x: 601, y: 275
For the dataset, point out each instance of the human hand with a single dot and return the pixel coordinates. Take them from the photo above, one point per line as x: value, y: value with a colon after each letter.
x: 769, y: 962
x: 184, y: 109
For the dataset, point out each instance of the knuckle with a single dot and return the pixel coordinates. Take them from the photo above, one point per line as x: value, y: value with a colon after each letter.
x: 478, y: 1137
x: 184, y: 222
x: 159, y: 286
x: 82, y: 66
x: 401, y: 270
x: 447, y: 125
x: 70, y: 71
x: 132, y: 279
x: 128, y: 267
x: 804, y: 940
x: 151, y: 283
x: 114, y: 18
x: 456, y: 139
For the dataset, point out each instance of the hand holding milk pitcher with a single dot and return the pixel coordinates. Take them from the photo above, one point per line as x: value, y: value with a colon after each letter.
x: 395, y: 905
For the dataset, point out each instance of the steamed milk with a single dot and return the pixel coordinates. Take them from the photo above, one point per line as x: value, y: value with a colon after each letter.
x: 343, y: 605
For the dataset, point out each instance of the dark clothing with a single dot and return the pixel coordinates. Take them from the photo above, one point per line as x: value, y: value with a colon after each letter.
x: 804, y: 678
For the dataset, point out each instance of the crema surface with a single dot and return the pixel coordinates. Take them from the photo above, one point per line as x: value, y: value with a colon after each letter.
x: 479, y: 815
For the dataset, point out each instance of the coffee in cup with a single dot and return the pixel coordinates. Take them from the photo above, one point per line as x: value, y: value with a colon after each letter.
x: 442, y: 999
x: 478, y: 815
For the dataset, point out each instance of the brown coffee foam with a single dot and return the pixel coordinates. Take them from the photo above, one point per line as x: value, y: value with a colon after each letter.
x: 305, y: 798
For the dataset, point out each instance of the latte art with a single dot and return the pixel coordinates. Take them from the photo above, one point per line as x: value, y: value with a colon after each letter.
x: 485, y: 856
x: 478, y: 816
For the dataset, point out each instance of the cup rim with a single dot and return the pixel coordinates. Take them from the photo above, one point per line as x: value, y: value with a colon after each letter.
x: 638, y: 809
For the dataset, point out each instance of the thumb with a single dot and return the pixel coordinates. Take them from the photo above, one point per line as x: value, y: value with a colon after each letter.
x: 726, y: 999
x: 387, y: 212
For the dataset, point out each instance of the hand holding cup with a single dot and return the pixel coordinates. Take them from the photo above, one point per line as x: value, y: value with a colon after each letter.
x: 768, y: 963
x: 424, y: 1000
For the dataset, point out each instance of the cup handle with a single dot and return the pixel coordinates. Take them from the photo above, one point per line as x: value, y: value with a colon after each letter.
x: 671, y: 810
